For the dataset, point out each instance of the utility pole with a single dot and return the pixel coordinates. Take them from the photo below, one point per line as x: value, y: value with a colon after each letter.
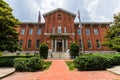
x: 80, y: 27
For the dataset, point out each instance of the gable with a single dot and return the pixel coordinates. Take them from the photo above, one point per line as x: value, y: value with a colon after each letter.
x: 59, y: 10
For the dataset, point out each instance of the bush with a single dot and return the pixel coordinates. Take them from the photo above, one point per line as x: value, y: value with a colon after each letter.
x: 96, y: 61
x: 28, y: 64
x: 8, y: 61
x: 74, y: 50
x: 43, y: 50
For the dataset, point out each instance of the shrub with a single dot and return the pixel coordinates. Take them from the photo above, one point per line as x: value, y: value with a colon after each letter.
x: 28, y: 64
x: 8, y: 61
x: 74, y: 50
x: 43, y: 50
x: 96, y: 61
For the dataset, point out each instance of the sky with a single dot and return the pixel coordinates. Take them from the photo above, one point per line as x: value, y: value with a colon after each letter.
x: 90, y: 10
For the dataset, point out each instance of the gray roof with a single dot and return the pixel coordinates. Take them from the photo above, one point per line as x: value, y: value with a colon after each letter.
x: 61, y: 10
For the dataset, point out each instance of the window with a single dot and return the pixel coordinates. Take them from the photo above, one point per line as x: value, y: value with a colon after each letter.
x: 53, y: 30
x: 59, y: 29
x: 64, y: 29
x: 89, y: 44
x: 96, y: 31
x: 20, y: 42
x: 80, y: 43
x: 22, y: 31
x: 37, y: 43
x: 29, y: 43
x: 79, y: 31
x: 30, y: 31
x: 39, y: 31
x: 87, y: 31
x: 98, y: 43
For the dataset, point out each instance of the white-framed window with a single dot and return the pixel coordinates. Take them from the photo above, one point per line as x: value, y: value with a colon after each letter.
x: 79, y: 31
x: 59, y: 29
x: 87, y: 31
x: 96, y: 31
x: 22, y: 31
x: 98, y: 44
x: 39, y: 31
x: 64, y: 29
x: 53, y: 30
x: 30, y: 31
x: 89, y: 43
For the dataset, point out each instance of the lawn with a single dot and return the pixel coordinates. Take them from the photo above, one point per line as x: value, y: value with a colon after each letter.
x: 71, y: 65
x: 47, y: 65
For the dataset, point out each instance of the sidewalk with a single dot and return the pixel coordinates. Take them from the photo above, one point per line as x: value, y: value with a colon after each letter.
x: 59, y: 71
x: 6, y: 71
x: 115, y: 70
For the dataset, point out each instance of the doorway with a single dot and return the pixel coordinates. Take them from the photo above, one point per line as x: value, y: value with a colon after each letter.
x: 59, y: 45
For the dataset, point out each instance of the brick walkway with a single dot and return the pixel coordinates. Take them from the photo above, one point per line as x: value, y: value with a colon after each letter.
x: 59, y: 71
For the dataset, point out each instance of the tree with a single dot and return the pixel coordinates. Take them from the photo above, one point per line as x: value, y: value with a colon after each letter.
x: 113, y: 34
x: 74, y: 50
x: 8, y: 23
x: 43, y: 50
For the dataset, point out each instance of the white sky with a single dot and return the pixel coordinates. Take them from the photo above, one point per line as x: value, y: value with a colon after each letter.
x: 91, y: 10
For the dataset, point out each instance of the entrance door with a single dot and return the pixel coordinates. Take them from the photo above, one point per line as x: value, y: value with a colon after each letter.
x: 59, y: 45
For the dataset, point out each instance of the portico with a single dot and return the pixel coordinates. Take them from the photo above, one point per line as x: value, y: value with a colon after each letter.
x: 59, y: 45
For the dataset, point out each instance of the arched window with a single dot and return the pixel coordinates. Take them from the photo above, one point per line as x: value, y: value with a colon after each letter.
x: 89, y: 44
x: 98, y: 43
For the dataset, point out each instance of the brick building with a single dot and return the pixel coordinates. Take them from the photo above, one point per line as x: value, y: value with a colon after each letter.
x: 59, y: 30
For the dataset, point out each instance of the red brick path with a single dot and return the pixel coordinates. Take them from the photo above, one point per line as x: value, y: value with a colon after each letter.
x: 59, y: 71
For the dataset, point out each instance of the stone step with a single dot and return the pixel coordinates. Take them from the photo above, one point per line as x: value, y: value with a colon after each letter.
x: 59, y: 55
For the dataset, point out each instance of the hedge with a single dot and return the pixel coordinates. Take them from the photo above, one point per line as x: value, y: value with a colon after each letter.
x: 97, y: 61
x: 28, y: 64
x: 8, y: 61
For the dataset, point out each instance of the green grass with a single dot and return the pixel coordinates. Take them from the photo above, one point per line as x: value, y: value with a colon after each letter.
x: 47, y: 65
x: 1, y: 53
x: 71, y: 65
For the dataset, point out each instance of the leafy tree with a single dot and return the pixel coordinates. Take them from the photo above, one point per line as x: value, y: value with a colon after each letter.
x: 43, y: 50
x: 8, y: 23
x: 113, y: 34
x: 74, y: 50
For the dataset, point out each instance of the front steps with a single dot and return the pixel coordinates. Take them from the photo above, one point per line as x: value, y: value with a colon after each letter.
x: 59, y: 55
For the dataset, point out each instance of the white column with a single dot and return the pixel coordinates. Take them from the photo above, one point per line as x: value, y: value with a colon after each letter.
x: 62, y: 45
x: 52, y: 45
x: 55, y: 45
x: 66, y: 44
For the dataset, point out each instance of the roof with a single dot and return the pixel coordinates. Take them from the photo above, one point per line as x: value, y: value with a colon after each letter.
x: 61, y: 10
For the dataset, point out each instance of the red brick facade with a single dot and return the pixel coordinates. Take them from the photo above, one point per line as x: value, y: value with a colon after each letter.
x: 59, y: 30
